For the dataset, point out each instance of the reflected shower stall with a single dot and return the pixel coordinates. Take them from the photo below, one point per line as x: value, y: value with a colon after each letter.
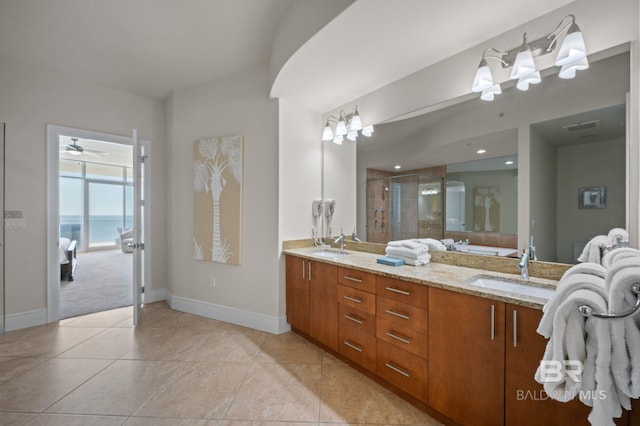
x: 405, y: 206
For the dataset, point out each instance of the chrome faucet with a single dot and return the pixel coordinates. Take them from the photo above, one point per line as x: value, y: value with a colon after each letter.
x: 354, y: 237
x: 524, y: 265
x: 340, y: 240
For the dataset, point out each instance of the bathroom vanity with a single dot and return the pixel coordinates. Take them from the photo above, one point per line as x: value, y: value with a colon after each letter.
x: 463, y: 353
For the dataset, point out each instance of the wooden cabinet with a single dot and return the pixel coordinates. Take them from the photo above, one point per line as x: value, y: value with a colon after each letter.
x: 311, y: 304
x: 323, y: 305
x: 356, y: 317
x: 403, y: 369
x: 297, y: 293
x: 466, y: 357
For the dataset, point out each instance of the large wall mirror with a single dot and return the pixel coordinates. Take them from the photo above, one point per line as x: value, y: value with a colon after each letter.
x: 534, y: 151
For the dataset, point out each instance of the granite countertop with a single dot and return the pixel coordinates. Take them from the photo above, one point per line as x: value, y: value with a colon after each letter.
x: 440, y: 275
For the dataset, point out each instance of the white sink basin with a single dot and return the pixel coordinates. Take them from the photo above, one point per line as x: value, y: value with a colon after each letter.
x: 329, y: 253
x: 512, y: 287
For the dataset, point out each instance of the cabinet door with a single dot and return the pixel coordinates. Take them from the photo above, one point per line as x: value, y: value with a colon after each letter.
x: 323, y: 304
x: 297, y: 293
x: 526, y: 403
x: 466, y: 357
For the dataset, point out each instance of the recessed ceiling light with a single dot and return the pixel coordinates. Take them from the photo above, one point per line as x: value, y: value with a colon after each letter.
x: 481, y: 151
x: 508, y: 162
x: 397, y: 166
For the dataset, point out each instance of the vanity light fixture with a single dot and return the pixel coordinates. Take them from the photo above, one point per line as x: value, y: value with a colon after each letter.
x: 572, y: 57
x: 347, y: 125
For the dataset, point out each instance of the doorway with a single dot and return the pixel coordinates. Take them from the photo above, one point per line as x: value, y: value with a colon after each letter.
x: 90, y: 186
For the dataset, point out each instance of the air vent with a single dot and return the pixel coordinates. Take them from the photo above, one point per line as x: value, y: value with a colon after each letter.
x: 581, y: 126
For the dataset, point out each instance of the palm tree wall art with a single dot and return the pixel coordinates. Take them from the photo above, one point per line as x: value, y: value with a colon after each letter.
x: 217, y: 185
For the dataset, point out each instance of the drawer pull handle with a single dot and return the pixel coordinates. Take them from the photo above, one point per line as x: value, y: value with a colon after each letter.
x: 357, y: 280
x: 397, y: 370
x: 394, y: 336
x: 353, y: 299
x: 352, y: 346
x: 493, y: 322
x: 395, y: 290
x: 397, y: 314
x: 354, y: 319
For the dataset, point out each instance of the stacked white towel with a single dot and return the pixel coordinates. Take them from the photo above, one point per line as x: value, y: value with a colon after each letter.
x: 619, y: 253
x: 411, y: 251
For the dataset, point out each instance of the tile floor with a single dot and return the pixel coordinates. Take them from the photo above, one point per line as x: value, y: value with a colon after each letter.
x: 181, y: 369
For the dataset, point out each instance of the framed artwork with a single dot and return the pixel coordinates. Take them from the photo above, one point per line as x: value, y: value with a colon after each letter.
x: 486, y: 209
x: 594, y: 197
x: 217, y: 199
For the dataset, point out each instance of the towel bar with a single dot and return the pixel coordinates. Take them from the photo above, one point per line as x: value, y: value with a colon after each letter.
x: 587, y: 311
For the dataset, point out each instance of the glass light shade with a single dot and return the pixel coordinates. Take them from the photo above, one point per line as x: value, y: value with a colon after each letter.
x: 327, y: 134
x: 489, y: 94
x: 572, y: 48
x: 341, y: 128
x: 352, y: 135
x: 569, y: 71
x: 524, y: 82
x: 338, y: 140
x: 523, y: 65
x: 367, y: 130
x: 356, y: 123
x: 483, y: 79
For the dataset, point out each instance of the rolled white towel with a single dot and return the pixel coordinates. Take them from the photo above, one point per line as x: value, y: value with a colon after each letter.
x: 586, y: 268
x: 625, y: 333
x: 567, y: 343
x: 593, y: 249
x: 619, y: 253
x: 406, y: 252
x: 617, y: 234
x: 564, y: 289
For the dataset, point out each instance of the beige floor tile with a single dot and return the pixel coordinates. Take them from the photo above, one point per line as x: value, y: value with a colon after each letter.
x: 158, y: 421
x: 259, y: 423
x: 44, y: 341
x: 112, y: 343
x: 75, y: 420
x: 289, y: 348
x: 226, y: 345
x: 100, y: 319
x: 275, y: 392
x: 15, y: 419
x: 117, y: 390
x: 165, y: 344
x: 12, y: 368
x: 350, y: 397
x: 43, y: 385
x: 197, y: 390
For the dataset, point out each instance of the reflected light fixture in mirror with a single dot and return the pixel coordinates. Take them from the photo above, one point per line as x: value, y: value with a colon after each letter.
x: 347, y: 125
x: 572, y: 57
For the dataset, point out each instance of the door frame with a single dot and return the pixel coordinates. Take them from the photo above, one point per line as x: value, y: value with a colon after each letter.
x: 53, y: 212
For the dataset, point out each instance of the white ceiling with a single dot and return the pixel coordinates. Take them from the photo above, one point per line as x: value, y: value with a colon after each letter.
x: 151, y: 47
x: 147, y: 47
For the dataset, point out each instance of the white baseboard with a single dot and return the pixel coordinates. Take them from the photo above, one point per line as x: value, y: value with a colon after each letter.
x: 156, y: 295
x: 262, y: 322
x: 25, y: 319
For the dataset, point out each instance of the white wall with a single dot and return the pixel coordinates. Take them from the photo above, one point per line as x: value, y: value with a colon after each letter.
x: 31, y: 99
x: 247, y: 294
x: 542, y: 196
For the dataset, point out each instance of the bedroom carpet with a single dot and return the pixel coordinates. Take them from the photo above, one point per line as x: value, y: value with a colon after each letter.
x: 102, y: 281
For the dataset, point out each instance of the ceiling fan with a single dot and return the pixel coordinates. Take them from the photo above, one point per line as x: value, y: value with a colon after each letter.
x: 75, y: 149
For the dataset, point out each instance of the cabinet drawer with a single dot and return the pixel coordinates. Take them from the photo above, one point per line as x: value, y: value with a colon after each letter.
x: 402, y: 314
x: 357, y: 299
x: 402, y: 369
x: 355, y: 319
x: 402, y: 291
x: 357, y: 279
x: 404, y: 338
x: 358, y: 347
